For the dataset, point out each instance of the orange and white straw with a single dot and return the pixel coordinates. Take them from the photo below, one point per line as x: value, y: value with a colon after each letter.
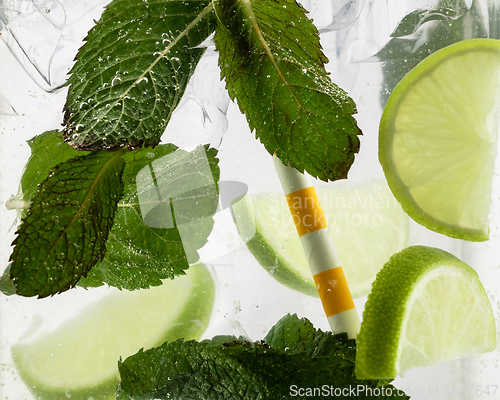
x: 319, y: 249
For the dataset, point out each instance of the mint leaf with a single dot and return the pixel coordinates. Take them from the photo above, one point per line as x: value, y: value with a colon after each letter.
x: 64, y: 232
x: 150, y: 243
x: 295, y: 335
x: 47, y: 150
x: 271, y: 59
x: 132, y: 71
x: 6, y: 285
x: 293, y: 355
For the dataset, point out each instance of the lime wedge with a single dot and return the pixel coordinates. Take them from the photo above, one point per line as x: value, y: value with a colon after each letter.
x: 426, y: 306
x: 366, y: 223
x: 438, y: 136
x: 79, y: 360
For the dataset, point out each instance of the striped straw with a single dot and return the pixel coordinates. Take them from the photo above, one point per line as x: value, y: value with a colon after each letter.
x: 319, y: 249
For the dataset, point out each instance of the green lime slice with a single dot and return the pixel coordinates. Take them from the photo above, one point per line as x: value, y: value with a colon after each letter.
x: 426, y: 306
x: 79, y: 360
x: 438, y: 136
x: 366, y: 223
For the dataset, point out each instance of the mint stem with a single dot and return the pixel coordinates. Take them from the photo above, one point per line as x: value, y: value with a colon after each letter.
x: 17, y: 204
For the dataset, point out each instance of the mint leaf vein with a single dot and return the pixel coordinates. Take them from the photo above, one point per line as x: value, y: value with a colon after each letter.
x: 271, y: 59
x: 141, y: 249
x: 226, y: 367
x: 65, y: 230
x: 133, y: 70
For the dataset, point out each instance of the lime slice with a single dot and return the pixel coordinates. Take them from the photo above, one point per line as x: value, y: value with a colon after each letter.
x: 79, y: 360
x: 366, y: 223
x: 426, y: 306
x: 438, y: 137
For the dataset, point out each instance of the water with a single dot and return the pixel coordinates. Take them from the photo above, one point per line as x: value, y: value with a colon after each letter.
x: 37, y: 50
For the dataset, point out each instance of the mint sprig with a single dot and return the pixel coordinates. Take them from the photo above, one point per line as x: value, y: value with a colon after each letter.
x: 136, y: 62
x: 138, y: 253
x: 127, y: 80
x: 293, y: 355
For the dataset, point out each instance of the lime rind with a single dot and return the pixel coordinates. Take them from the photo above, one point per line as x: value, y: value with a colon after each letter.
x: 463, y: 278
x: 366, y: 223
x: 194, y: 318
x: 476, y: 166
x: 386, y: 338
x: 367, y: 226
x: 264, y: 244
x: 189, y: 322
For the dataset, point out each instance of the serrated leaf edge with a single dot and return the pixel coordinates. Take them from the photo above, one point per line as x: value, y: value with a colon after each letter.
x: 253, y: 20
x: 161, y: 55
x: 91, y: 190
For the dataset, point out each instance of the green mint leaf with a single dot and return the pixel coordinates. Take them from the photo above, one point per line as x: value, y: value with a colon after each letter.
x: 295, y: 335
x: 164, y: 217
x: 293, y: 355
x: 47, y: 150
x: 6, y: 285
x: 273, y: 65
x: 65, y: 229
x: 133, y: 70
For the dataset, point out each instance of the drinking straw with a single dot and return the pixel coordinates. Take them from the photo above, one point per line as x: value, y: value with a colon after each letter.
x: 319, y: 249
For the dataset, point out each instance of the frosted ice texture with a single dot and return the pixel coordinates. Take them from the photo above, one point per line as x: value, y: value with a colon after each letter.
x: 41, y: 34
